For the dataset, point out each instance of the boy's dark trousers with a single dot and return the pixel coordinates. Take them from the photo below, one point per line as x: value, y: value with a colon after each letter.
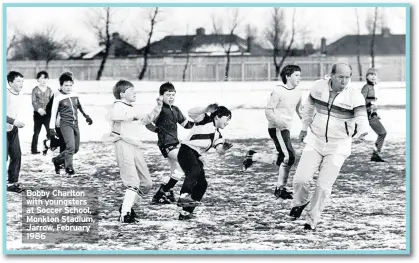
x: 38, y: 122
x: 71, y: 135
x: 61, y: 139
x: 195, y: 183
x: 13, y: 151
x: 378, y: 127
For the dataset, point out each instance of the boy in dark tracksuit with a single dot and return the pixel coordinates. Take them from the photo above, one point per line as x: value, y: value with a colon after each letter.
x: 66, y: 105
x: 204, y: 135
x: 166, y: 128
x: 370, y: 94
x: 41, y: 95
x: 15, y: 81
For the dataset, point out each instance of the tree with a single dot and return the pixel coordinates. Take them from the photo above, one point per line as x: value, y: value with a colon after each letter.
x: 100, y: 21
x: 277, y: 36
x: 372, y: 23
x: 358, y: 44
x: 12, y: 40
x: 46, y: 45
x: 228, y: 40
x: 186, y: 48
x: 152, y: 17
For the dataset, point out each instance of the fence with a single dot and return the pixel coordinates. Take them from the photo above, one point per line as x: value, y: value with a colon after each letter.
x: 242, y: 68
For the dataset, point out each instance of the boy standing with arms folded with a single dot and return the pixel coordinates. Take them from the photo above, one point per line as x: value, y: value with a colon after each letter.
x: 166, y: 128
x: 125, y: 125
x: 66, y: 105
x: 15, y: 81
x: 284, y: 100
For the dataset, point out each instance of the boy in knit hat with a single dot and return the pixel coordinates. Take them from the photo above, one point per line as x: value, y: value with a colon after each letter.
x: 370, y: 94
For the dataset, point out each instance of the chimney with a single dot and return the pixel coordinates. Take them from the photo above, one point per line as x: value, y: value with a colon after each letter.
x: 115, y: 35
x: 249, y: 44
x: 323, y: 46
x: 308, y: 49
x: 200, y: 31
x: 385, y: 31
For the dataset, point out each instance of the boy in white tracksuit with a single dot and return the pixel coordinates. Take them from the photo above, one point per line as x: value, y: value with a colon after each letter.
x: 335, y: 113
x: 125, y: 135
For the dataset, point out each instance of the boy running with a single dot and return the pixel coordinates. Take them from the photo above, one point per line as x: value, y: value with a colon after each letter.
x: 166, y: 128
x: 203, y: 136
x: 125, y: 125
x: 66, y: 105
x: 284, y: 100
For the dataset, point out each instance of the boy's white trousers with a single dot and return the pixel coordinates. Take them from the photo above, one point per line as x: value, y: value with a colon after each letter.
x: 133, y: 168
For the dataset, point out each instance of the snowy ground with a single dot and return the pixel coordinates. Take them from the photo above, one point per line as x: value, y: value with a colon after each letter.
x: 239, y: 212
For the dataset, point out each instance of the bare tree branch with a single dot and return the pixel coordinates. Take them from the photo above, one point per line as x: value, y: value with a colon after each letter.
x: 358, y: 44
x: 153, y: 21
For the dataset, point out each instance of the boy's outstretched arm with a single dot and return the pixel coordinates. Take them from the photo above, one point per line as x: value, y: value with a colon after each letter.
x: 151, y: 117
x: 197, y: 114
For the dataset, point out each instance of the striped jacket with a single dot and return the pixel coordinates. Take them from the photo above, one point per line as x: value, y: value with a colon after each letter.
x: 345, y: 117
x: 204, y: 135
x: 66, y: 106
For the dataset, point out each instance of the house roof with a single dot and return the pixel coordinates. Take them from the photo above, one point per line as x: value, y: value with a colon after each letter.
x: 201, y: 44
x: 118, y: 48
x: 384, y: 45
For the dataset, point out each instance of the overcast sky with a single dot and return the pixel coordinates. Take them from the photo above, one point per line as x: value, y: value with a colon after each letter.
x: 317, y: 22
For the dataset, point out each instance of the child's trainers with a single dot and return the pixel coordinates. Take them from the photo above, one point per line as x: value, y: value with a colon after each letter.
x: 248, y: 160
x: 128, y: 218
x: 57, y: 166
x: 16, y: 187
x: 133, y: 214
x: 161, y: 198
x: 282, y: 193
x: 171, y: 196
x: 184, y: 215
x: 45, y: 150
x: 69, y: 171
x: 185, y: 200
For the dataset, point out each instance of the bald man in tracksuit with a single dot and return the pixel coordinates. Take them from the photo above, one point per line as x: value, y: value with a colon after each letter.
x: 336, y: 114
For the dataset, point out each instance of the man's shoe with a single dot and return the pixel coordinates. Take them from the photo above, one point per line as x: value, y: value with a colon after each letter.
x: 376, y: 158
x: 16, y: 187
x: 308, y: 227
x: 185, y: 200
x: 296, y: 211
x: 248, y: 160
x: 133, y: 214
x: 160, y: 198
x: 282, y: 193
x: 36, y: 152
x: 128, y: 218
x: 183, y: 215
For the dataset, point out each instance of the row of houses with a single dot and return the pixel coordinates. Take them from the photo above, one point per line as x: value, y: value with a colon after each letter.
x: 201, y: 44
x: 201, y: 57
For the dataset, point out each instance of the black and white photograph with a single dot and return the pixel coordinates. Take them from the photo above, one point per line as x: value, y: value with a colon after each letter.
x: 206, y: 128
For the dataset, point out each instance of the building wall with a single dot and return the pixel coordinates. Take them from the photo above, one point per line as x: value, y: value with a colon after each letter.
x: 242, y: 68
